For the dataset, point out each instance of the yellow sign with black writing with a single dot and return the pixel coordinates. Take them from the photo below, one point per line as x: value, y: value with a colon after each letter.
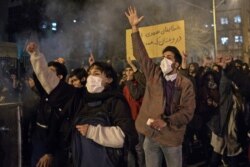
x: 156, y: 38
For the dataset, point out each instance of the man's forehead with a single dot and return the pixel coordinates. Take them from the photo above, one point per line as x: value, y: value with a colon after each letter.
x: 52, y: 68
x: 128, y: 68
x: 168, y: 54
x: 74, y: 77
x: 95, y: 68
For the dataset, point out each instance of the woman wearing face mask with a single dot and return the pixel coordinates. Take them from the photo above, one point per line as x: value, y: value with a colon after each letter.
x: 97, y: 117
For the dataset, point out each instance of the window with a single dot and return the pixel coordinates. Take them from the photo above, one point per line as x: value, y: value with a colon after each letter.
x: 224, y: 20
x: 238, y: 39
x: 224, y: 40
x: 237, y: 19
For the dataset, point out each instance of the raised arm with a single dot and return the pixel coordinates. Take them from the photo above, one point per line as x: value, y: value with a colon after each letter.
x: 133, y: 18
x: 91, y: 58
x: 139, y: 51
x: 47, y: 78
x: 184, y: 67
x: 138, y: 75
x: 134, y: 68
x: 184, y: 60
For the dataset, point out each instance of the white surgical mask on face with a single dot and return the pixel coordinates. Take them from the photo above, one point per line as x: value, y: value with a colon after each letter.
x: 166, y: 66
x: 94, y: 84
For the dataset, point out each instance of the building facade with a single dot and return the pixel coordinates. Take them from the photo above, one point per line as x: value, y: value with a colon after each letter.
x: 3, y: 19
x: 233, y: 29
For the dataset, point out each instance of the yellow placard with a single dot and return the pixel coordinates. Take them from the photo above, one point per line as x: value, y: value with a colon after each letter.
x: 8, y: 49
x: 156, y: 38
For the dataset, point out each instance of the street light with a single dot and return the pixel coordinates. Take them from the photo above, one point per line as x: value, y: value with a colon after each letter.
x: 214, y: 19
x: 215, y: 29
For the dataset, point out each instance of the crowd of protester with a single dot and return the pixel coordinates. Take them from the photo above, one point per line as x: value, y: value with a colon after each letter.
x: 168, y: 114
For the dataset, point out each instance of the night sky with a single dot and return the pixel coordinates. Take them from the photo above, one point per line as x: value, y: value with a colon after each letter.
x: 97, y: 25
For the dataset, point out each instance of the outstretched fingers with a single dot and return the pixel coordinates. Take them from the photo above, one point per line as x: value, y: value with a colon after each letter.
x: 131, y: 11
x: 134, y: 10
x: 140, y: 19
x: 127, y: 14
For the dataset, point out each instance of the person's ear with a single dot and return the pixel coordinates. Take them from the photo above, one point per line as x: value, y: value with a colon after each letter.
x: 60, y: 76
x: 83, y: 80
x: 177, y: 65
x: 109, y: 80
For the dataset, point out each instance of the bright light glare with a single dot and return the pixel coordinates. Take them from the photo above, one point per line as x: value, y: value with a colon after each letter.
x: 54, y: 24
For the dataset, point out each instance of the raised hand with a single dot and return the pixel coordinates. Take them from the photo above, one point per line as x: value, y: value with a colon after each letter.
x: 228, y: 59
x: 133, y: 18
x: 218, y: 59
x: 184, y: 56
x: 91, y: 58
x: 134, y: 68
x: 32, y: 47
x: 223, y: 61
x: 207, y: 62
x: 60, y: 60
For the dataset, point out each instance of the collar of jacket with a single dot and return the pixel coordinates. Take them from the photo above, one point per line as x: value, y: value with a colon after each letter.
x: 171, y: 77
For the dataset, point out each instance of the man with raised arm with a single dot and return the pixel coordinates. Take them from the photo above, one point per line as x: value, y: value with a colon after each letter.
x: 168, y: 104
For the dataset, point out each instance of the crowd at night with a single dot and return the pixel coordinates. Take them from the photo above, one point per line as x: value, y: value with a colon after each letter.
x: 79, y: 103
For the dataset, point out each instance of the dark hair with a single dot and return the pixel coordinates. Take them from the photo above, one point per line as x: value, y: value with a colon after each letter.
x: 80, y: 73
x: 219, y: 67
x: 237, y: 61
x: 204, y: 79
x: 177, y: 54
x: 60, y: 68
x: 245, y: 64
x: 108, y: 70
x: 196, y: 66
x: 127, y: 66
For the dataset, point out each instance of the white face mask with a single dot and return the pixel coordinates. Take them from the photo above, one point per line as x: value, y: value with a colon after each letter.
x: 94, y: 84
x: 166, y: 66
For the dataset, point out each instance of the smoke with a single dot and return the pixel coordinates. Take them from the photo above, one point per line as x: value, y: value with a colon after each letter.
x: 93, y: 26
x: 196, y: 14
x: 99, y: 26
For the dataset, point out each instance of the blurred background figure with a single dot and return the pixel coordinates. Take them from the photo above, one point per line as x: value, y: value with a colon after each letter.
x: 77, y: 77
